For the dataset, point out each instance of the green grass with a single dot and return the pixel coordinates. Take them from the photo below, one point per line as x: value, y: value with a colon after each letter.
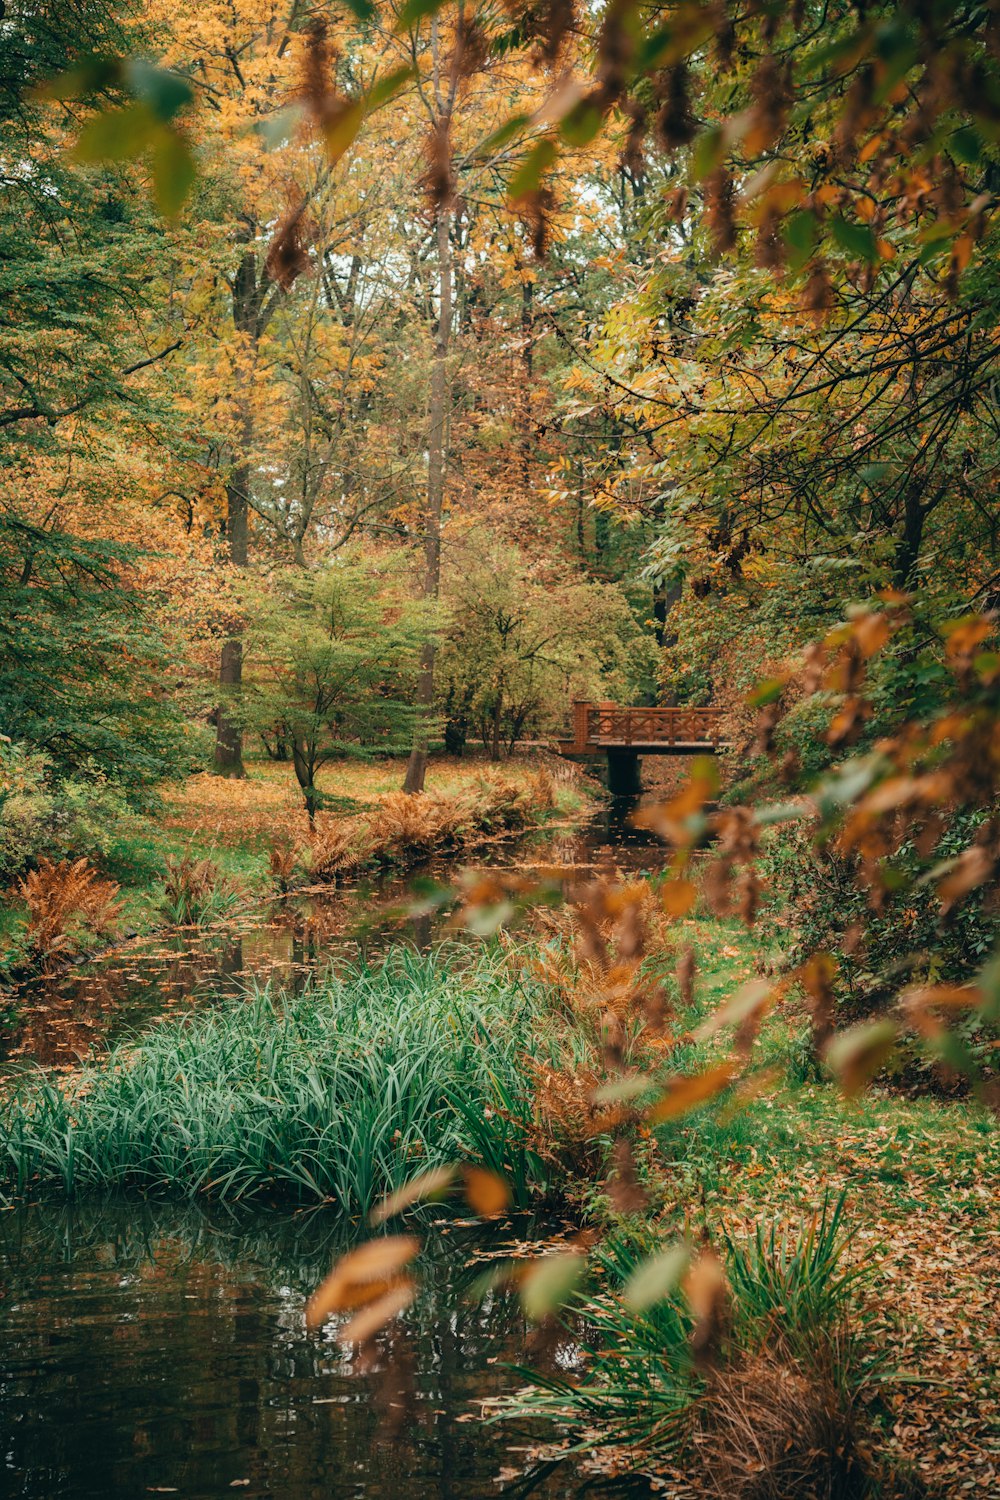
x: 342, y: 1094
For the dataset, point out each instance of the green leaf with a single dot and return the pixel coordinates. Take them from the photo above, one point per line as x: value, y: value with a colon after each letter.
x: 846, y: 51
x: 656, y: 1278
x: 581, y: 125
x: 856, y: 239
x: 363, y: 9
x: 550, y: 1283
x: 90, y: 76
x: 856, y: 1055
x: 779, y: 812
x: 503, y: 133
x: 117, y: 134
x: 966, y: 144
x: 683, y: 34
x: 707, y: 153
x: 898, y: 52
x: 800, y: 233
x: 174, y: 171
x: 768, y: 691
x: 275, y: 130
x: 164, y: 91
x: 387, y: 88
x: 528, y: 175
x: 623, y: 1089
x: 415, y: 10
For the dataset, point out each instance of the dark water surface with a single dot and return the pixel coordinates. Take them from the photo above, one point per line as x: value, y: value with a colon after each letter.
x: 155, y: 1349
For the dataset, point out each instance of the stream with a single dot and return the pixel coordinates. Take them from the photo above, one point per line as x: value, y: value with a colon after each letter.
x: 156, y: 1348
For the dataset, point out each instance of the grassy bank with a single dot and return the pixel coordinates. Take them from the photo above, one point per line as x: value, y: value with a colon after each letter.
x: 342, y: 1094
x: 353, y: 1089
x: 907, y: 1362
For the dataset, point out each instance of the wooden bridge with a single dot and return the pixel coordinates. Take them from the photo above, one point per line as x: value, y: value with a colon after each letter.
x: 624, y: 734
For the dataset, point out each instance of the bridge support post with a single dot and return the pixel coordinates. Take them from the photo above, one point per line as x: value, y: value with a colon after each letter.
x: 623, y: 773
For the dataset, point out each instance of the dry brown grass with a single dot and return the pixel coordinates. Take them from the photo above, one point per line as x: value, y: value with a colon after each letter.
x: 769, y: 1431
x: 567, y: 1128
x: 68, y: 903
x: 407, y: 821
x: 194, y: 891
x: 283, y: 861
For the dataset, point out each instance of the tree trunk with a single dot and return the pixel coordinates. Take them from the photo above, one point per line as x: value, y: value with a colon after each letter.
x: 228, y: 735
x: 909, y: 544
x: 247, y: 305
x: 665, y: 596
x: 495, y: 741
x: 305, y: 775
x: 437, y: 460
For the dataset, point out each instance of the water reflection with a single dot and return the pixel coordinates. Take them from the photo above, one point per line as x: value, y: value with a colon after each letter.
x: 161, y: 1350
x: 59, y: 1021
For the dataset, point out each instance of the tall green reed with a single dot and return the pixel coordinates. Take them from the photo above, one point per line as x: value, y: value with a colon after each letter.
x: 339, y: 1094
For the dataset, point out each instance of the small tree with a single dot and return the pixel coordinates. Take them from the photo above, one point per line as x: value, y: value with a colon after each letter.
x: 333, y: 660
x: 521, y: 644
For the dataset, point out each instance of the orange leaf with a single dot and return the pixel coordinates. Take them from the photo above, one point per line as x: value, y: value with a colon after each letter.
x: 684, y: 1094
x: 678, y: 897
x: 377, y: 1314
x: 432, y: 1184
x: 752, y: 1000
x: 920, y: 1001
x: 486, y: 1192
x: 369, y: 1266
x: 856, y: 1055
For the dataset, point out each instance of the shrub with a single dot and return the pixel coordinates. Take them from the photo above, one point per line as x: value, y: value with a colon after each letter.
x: 25, y: 807
x: 195, y: 892
x: 283, y: 860
x: 68, y: 905
x: 814, y: 902
x: 406, y: 821
x: 339, y: 848
x: 87, y: 815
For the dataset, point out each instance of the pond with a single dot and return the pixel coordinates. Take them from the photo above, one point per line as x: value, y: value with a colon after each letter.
x: 157, y: 1349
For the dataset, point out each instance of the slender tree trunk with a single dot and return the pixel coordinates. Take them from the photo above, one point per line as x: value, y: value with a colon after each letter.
x: 437, y: 461
x: 909, y: 543
x: 305, y: 775
x: 497, y: 710
x: 228, y: 735
x: 528, y: 372
x: 665, y: 596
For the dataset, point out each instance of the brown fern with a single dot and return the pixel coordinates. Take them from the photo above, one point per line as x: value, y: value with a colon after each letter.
x: 68, y: 903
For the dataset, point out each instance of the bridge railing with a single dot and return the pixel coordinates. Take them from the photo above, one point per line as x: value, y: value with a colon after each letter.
x: 653, y: 726
x: 597, y: 725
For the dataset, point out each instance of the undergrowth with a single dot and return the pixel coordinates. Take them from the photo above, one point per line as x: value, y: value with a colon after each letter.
x: 772, y: 1409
